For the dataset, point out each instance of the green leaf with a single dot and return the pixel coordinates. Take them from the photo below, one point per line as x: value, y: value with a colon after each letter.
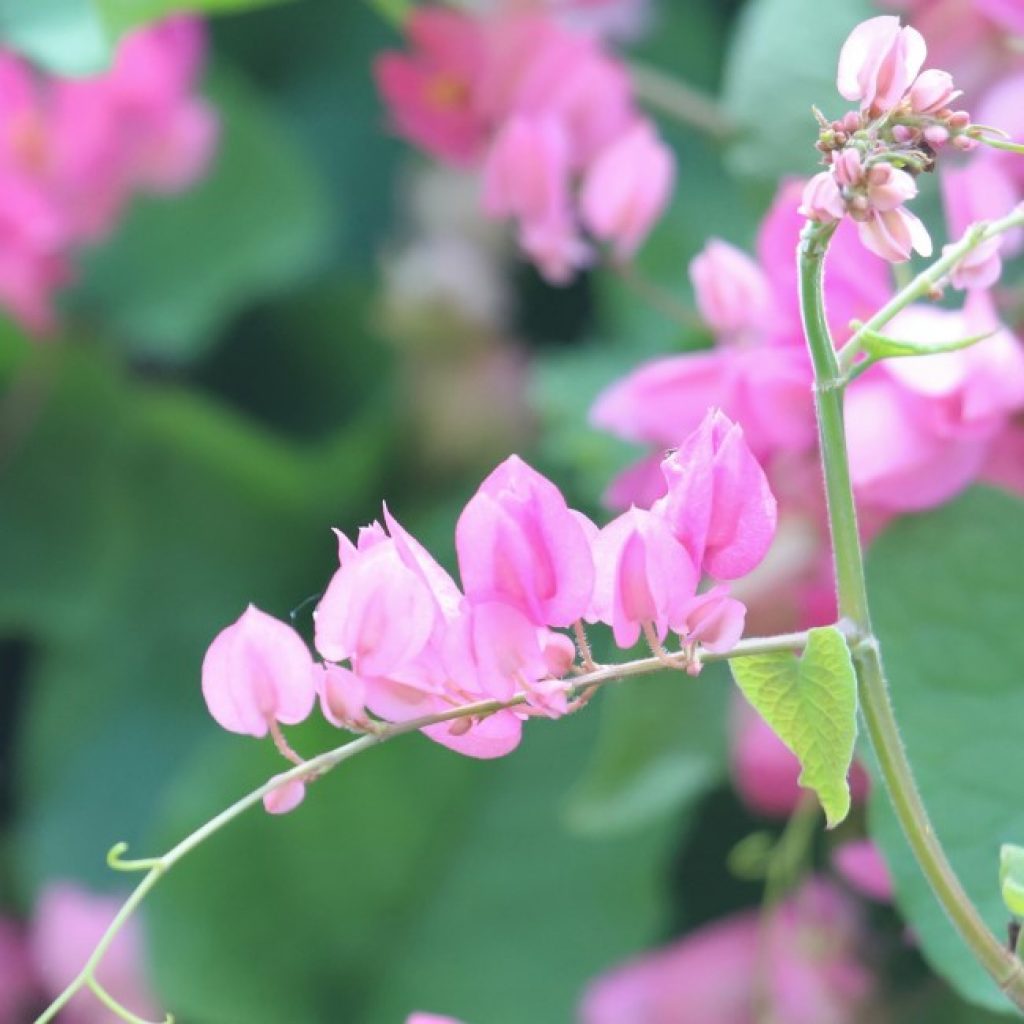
x: 662, y: 745
x: 946, y: 590
x: 810, y: 702
x: 782, y: 62
x: 1011, y: 877
x: 180, y: 267
x: 121, y: 15
x: 881, y: 346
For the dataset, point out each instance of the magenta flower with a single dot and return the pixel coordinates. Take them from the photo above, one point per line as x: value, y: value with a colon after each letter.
x: 433, y: 92
x: 256, y: 672
x: 519, y: 543
x: 627, y: 188
x: 714, y: 620
x: 879, y: 62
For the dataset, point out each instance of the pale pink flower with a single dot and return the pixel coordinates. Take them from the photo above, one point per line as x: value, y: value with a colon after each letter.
x: 257, y: 671
x: 556, y: 247
x: 860, y: 864
x: 888, y: 187
x: 627, y: 188
x: 67, y: 924
x: 731, y: 290
x: 933, y: 90
x: 981, y: 268
x: 342, y: 696
x: 518, y: 542
x: 645, y: 578
x: 433, y: 92
x: 430, y: 1018
x: 714, y: 620
x: 894, y: 234
x: 718, y: 503
x: 799, y: 966
x: 285, y: 798
x: 878, y: 63
x: 822, y: 200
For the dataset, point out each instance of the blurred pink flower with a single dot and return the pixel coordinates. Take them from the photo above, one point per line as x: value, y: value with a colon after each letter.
x: 799, y: 966
x: 627, y: 188
x: 919, y: 430
x: 18, y: 980
x: 430, y: 1018
x: 67, y: 925
x: 860, y: 864
x: 731, y: 290
x: 433, y: 92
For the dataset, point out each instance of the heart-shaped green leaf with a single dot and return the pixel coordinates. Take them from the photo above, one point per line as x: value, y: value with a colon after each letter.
x: 810, y: 702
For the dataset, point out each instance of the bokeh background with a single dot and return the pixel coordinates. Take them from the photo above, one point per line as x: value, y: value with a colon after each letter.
x: 323, y: 321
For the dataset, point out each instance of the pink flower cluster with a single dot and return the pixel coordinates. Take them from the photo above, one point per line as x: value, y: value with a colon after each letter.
x: 919, y: 430
x: 37, y: 962
x: 548, y: 114
x: 798, y: 965
x: 874, y: 154
x: 400, y: 640
x: 73, y: 151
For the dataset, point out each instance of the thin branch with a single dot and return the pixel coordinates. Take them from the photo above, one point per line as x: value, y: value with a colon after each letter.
x: 683, y: 102
x: 157, y: 867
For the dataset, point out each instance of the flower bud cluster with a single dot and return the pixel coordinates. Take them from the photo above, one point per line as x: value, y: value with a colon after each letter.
x: 874, y: 155
x: 399, y: 640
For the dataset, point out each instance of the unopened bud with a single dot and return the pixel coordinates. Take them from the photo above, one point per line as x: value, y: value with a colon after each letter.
x: 932, y: 91
x: 964, y: 143
x: 935, y: 135
x: 959, y: 120
x: 852, y: 122
x: 848, y: 168
x: 903, y: 133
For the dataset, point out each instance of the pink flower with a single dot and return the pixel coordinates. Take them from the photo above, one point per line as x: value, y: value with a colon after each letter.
x: 731, y: 290
x: 980, y: 268
x: 430, y: 1018
x: 894, y: 234
x: 859, y: 863
x: 719, y: 504
x: 982, y: 189
x: 256, y: 671
x: 646, y: 580
x: 932, y: 91
x: 432, y: 93
x: 888, y: 187
x: 526, y: 173
x: 920, y: 429
x: 627, y: 188
x: 518, y: 542
x: 798, y: 966
x: 342, y: 696
x: 285, y: 798
x: 18, y: 982
x: 714, y: 620
x: 879, y: 62
x: 556, y: 247
x: 67, y: 925
x: 822, y: 200
x: 377, y: 610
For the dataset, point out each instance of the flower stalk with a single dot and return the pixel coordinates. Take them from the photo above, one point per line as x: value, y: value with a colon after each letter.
x: 156, y: 868
x: 1003, y: 966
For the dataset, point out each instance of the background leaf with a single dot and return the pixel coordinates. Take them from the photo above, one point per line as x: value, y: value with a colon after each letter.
x: 946, y: 589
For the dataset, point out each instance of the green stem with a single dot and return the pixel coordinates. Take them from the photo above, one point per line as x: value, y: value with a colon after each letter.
x: 157, y: 867
x: 875, y: 703
x: 928, y: 279
x: 675, y: 98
